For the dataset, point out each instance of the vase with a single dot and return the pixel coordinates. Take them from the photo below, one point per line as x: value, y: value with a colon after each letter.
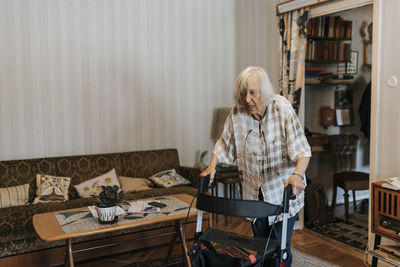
x: 106, y: 214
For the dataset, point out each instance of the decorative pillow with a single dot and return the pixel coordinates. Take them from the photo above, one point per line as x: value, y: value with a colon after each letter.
x: 168, y: 179
x: 130, y: 184
x: 92, y: 187
x: 51, y: 188
x: 14, y: 196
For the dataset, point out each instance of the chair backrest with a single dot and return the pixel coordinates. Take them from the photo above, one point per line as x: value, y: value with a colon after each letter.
x: 238, y: 207
x: 343, y: 152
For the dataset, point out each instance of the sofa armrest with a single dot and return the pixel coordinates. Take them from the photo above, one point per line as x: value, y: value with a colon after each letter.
x: 192, y: 174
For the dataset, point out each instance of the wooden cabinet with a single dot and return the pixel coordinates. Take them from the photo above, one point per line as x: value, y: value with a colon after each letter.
x: 385, y: 221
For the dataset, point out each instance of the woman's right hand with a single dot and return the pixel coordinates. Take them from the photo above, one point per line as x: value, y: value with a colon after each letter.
x: 209, y: 171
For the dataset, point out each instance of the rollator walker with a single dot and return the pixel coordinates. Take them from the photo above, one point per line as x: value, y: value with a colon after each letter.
x: 267, y: 249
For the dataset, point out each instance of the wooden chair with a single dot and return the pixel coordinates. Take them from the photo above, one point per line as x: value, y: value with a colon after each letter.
x: 229, y: 177
x: 343, y: 151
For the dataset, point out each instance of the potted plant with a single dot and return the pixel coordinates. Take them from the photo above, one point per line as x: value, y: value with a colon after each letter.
x: 109, y: 199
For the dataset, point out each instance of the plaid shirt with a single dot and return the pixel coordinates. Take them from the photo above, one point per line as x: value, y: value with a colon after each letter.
x: 265, y: 151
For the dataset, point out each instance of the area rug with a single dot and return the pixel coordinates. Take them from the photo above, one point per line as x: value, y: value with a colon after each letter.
x: 353, y: 233
x: 300, y: 259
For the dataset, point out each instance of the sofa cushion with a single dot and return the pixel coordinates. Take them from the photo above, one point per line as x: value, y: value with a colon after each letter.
x: 168, y: 178
x: 19, y: 172
x: 130, y: 184
x: 92, y: 187
x: 14, y: 196
x: 146, y: 163
x: 82, y: 168
x: 51, y: 188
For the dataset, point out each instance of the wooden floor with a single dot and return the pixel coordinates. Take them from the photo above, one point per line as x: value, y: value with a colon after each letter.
x: 303, y: 240
x: 327, y: 249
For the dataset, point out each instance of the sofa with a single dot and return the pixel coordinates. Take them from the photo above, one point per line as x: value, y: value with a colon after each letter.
x: 17, y: 235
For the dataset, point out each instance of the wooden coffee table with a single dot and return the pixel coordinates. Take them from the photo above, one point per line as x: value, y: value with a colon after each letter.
x: 49, y: 229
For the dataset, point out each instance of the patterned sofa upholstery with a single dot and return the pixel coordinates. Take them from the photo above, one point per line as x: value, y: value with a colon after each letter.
x: 17, y: 235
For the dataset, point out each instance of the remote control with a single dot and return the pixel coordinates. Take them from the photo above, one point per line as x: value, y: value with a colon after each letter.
x: 157, y: 204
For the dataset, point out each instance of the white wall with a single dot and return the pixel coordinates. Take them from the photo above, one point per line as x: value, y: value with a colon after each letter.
x: 97, y: 76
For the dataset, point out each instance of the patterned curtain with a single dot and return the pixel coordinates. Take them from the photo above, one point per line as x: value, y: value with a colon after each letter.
x: 293, y: 36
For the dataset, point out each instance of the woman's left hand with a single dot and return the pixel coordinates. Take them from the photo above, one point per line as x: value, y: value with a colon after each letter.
x: 296, y: 182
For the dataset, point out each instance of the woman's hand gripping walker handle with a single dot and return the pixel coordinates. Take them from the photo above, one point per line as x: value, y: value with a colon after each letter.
x: 204, y: 185
x: 287, y: 194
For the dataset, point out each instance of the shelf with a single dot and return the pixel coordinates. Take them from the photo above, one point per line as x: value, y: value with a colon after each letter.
x: 331, y: 82
x: 333, y: 39
x: 386, y: 257
x: 326, y: 62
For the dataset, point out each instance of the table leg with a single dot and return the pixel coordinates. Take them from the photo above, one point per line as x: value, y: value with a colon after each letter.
x: 68, y: 260
x: 346, y: 205
x: 377, y: 242
x: 183, y: 242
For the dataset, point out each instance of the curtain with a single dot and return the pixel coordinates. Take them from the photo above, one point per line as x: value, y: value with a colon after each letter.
x: 293, y: 42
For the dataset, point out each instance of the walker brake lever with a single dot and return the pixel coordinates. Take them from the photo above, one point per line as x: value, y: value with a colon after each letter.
x: 205, y: 184
x: 211, y: 185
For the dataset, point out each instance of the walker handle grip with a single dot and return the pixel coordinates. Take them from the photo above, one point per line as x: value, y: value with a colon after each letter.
x: 205, y: 184
x: 287, y: 194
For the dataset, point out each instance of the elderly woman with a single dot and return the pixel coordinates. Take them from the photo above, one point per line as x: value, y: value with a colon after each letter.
x: 263, y: 137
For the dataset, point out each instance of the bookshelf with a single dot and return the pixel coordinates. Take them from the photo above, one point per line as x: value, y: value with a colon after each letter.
x: 328, y: 54
x: 330, y: 27
x: 328, y: 46
x: 329, y: 40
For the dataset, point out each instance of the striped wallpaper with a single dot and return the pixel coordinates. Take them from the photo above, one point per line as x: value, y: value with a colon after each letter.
x: 98, y: 76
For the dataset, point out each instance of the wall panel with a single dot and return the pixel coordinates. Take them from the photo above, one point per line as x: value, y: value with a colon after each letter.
x: 97, y: 76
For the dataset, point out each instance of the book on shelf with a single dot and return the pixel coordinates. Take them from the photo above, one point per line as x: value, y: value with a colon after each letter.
x: 316, y: 69
x: 329, y: 27
x: 328, y: 51
x: 314, y: 72
x: 347, y: 28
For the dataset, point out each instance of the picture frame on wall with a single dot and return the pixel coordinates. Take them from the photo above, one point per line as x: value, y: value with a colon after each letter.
x: 352, y: 66
x: 344, y: 115
x: 349, y: 67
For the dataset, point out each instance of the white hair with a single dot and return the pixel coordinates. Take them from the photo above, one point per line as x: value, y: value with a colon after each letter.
x: 257, y: 75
